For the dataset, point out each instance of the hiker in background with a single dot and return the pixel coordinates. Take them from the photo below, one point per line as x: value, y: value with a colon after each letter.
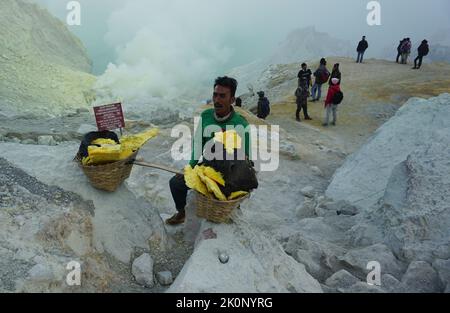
x: 263, y: 106
x: 321, y: 77
x: 423, y: 50
x: 406, y: 50
x: 399, y: 49
x: 334, y: 97
x: 301, y: 95
x: 305, y: 74
x: 361, y: 49
x: 238, y: 102
x: 335, y: 73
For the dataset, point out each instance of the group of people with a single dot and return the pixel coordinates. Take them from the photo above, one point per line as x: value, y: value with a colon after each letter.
x: 322, y: 76
x: 404, y: 50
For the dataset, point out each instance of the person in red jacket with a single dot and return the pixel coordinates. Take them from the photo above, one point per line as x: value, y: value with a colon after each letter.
x: 329, y: 105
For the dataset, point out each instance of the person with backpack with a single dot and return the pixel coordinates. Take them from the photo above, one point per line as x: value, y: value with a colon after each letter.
x: 335, y: 73
x: 321, y: 77
x: 334, y: 98
x: 399, y: 49
x: 301, y: 95
x: 423, y: 50
x: 361, y: 49
x: 263, y: 106
x: 406, y: 50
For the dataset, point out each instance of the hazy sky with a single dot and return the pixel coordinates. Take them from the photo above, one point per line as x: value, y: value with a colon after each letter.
x: 234, y: 32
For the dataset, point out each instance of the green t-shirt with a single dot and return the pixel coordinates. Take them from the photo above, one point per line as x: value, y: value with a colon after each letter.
x: 208, y: 119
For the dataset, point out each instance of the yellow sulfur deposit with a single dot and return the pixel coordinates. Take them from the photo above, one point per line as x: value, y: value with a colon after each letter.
x: 230, y: 140
x: 104, y: 150
x: 237, y: 194
x: 214, y: 175
x: 210, y: 184
x: 193, y: 181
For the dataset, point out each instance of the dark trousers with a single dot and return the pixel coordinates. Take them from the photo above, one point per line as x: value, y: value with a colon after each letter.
x: 303, y: 104
x: 398, y: 56
x: 179, y: 192
x: 360, y: 57
x: 419, y: 58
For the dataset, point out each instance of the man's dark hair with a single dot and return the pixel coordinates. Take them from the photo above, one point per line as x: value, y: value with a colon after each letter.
x: 227, y: 82
x: 303, y: 64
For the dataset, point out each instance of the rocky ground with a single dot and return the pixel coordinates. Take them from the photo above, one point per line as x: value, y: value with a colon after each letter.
x: 289, y: 237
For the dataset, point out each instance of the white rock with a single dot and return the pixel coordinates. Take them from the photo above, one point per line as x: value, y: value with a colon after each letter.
x: 142, y: 270
x: 46, y: 141
x: 341, y: 279
x: 389, y: 283
x: 421, y: 278
x: 316, y: 171
x: 362, y: 287
x: 41, y: 273
x: 164, y: 278
x: 308, y: 191
x: 28, y: 142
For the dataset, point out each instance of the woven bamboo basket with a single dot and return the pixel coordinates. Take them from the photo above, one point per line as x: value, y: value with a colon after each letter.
x: 215, y: 210
x: 109, y: 176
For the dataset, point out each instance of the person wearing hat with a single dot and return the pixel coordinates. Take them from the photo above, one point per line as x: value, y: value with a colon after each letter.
x: 423, y: 50
x: 329, y: 105
x: 263, y: 106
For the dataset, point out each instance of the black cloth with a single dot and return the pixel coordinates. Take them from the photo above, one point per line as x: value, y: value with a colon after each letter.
x: 263, y: 108
x: 179, y: 192
x: 362, y: 46
x: 423, y: 50
x: 419, y: 58
x: 90, y: 137
x: 305, y: 75
x: 301, y: 95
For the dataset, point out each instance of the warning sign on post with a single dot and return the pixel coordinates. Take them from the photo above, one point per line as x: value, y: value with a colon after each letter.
x: 109, y: 117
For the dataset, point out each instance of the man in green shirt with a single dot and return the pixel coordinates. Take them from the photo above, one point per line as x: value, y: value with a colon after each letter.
x: 219, y: 119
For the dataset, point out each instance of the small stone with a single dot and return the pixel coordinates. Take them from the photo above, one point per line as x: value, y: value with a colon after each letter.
x: 316, y: 170
x: 308, y: 191
x: 46, y: 141
x: 142, y: 270
x: 41, y: 273
x: 341, y: 279
x: 223, y: 257
x: 165, y: 278
x: 28, y: 142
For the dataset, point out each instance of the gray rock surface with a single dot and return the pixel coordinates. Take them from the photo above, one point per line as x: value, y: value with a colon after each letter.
x: 142, y: 270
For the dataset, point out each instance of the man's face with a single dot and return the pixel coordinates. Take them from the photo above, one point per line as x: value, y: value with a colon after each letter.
x: 222, y: 100
x: 304, y: 67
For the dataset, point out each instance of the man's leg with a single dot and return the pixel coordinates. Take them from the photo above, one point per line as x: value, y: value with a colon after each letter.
x: 362, y: 57
x: 334, y: 108
x: 398, y: 57
x: 179, y: 191
x: 297, y: 113
x: 319, y: 91
x: 327, y: 115
x: 313, y: 91
x: 305, y: 109
x: 420, y: 61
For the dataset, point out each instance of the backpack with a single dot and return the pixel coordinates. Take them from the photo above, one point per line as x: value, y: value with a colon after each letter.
x: 338, y: 97
x: 323, y: 76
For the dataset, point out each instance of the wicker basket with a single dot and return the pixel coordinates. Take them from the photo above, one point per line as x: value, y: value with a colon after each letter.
x: 109, y: 176
x: 215, y: 210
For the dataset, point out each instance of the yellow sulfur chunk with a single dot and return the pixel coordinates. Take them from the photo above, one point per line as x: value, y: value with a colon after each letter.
x: 103, y: 141
x: 104, y: 154
x: 214, y: 175
x: 230, y: 140
x: 210, y: 184
x: 134, y: 142
x: 237, y: 194
x: 193, y: 181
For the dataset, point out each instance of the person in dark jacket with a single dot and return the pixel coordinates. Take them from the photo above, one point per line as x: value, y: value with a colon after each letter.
x: 301, y: 95
x: 335, y: 73
x: 238, y: 102
x: 321, y: 77
x: 399, y: 50
x: 423, y: 50
x: 263, y: 106
x: 406, y: 50
x: 305, y: 74
x: 361, y: 49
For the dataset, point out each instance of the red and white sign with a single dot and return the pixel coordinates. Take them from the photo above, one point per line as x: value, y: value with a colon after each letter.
x: 109, y: 117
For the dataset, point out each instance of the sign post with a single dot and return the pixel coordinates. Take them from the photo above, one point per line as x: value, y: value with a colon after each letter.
x: 109, y: 117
